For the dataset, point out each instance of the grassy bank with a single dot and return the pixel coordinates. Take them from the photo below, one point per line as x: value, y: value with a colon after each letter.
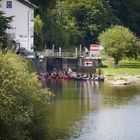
x: 125, y: 67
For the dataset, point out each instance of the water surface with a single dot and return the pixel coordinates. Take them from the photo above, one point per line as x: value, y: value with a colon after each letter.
x: 93, y: 111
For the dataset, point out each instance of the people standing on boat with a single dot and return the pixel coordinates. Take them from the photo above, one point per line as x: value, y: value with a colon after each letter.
x: 69, y: 72
x: 86, y: 51
x: 91, y: 75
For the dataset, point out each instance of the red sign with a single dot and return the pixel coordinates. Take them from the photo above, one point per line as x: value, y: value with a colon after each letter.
x: 94, y: 48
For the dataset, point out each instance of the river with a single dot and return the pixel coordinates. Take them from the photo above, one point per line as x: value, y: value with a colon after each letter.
x: 93, y: 111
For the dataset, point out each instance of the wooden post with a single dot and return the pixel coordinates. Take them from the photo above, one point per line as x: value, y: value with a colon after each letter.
x: 76, y: 52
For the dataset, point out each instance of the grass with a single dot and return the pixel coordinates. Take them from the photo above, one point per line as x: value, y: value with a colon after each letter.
x: 125, y: 67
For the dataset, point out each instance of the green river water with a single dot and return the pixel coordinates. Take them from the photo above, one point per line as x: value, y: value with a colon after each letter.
x: 93, y: 111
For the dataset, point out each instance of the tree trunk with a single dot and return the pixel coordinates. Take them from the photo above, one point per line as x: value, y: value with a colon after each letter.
x: 116, y: 62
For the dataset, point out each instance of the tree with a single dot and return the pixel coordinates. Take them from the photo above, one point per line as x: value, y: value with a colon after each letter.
x: 119, y: 41
x: 38, y: 24
x: 44, y: 10
x: 22, y: 101
x: 71, y: 23
x: 128, y: 11
x: 4, y: 25
x: 84, y: 20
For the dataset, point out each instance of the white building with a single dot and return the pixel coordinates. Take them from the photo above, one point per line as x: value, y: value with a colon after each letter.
x: 22, y: 30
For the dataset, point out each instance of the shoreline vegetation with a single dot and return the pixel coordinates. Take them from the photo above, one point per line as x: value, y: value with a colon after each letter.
x: 23, y: 103
x: 127, y: 73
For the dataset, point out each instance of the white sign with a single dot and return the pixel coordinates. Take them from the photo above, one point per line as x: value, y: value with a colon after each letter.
x: 95, y: 48
x: 88, y: 63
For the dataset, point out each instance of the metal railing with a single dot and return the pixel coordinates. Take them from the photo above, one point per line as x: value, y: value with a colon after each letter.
x: 60, y: 54
x: 66, y: 55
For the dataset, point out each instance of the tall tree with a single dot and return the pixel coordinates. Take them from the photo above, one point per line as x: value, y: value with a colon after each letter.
x: 128, y: 11
x: 4, y: 25
x: 70, y: 23
x: 38, y: 24
x: 119, y: 41
x: 85, y: 19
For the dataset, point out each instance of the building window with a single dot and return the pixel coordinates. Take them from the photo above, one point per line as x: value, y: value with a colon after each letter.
x: 9, y: 4
x: 32, y: 16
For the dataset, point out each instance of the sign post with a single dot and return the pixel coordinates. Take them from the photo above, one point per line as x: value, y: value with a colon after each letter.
x: 95, y: 49
x: 88, y: 63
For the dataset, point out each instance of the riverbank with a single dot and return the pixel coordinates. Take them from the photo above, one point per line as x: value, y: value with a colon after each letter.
x: 127, y: 73
x: 123, y: 80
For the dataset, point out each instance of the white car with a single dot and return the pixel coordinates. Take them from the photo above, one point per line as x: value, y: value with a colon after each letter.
x: 31, y: 55
x: 41, y: 57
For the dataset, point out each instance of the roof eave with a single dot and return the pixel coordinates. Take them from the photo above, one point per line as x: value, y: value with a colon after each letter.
x: 29, y: 4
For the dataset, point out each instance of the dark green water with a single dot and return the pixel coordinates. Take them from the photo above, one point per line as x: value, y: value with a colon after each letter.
x: 93, y: 111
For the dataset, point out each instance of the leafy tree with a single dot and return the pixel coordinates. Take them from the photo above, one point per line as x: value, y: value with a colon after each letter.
x: 119, y: 41
x: 43, y: 5
x: 128, y: 11
x: 84, y: 20
x: 70, y: 23
x: 4, y: 25
x: 44, y: 10
x: 22, y: 100
x: 38, y: 24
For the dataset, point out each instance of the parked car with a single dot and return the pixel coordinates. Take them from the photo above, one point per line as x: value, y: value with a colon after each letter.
x: 21, y: 51
x: 31, y: 55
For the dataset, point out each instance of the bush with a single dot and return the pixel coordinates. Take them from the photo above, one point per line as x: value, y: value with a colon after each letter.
x: 20, y: 95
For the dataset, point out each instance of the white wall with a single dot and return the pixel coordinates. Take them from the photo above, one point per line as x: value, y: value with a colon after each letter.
x: 22, y: 23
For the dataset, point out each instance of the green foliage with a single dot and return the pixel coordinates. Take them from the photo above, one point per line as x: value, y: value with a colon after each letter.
x: 38, y: 25
x: 84, y: 20
x: 120, y: 42
x: 70, y: 23
x: 125, y: 67
x: 128, y: 11
x: 20, y: 97
x: 4, y: 24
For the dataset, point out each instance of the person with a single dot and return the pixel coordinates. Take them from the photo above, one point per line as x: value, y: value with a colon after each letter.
x: 69, y: 71
x: 86, y: 51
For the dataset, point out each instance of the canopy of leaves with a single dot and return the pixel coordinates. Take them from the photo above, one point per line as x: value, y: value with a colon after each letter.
x: 128, y: 11
x: 119, y: 42
x: 85, y: 19
x: 70, y: 23
x: 38, y: 25
x: 4, y: 25
x: 21, y: 98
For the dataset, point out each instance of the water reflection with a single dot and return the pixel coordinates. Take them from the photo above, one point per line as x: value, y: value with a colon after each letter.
x: 118, y: 95
x: 93, y: 110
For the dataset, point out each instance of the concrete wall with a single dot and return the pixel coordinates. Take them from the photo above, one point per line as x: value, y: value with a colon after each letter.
x: 60, y: 63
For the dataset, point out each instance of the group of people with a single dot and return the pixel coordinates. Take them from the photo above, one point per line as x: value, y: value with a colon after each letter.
x: 69, y: 74
x: 57, y: 74
x: 61, y: 73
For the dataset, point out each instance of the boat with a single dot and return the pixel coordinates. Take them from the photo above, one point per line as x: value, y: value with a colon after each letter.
x: 68, y: 77
x: 99, y: 78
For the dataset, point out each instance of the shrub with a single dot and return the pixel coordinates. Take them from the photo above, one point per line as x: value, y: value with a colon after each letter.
x: 20, y: 94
